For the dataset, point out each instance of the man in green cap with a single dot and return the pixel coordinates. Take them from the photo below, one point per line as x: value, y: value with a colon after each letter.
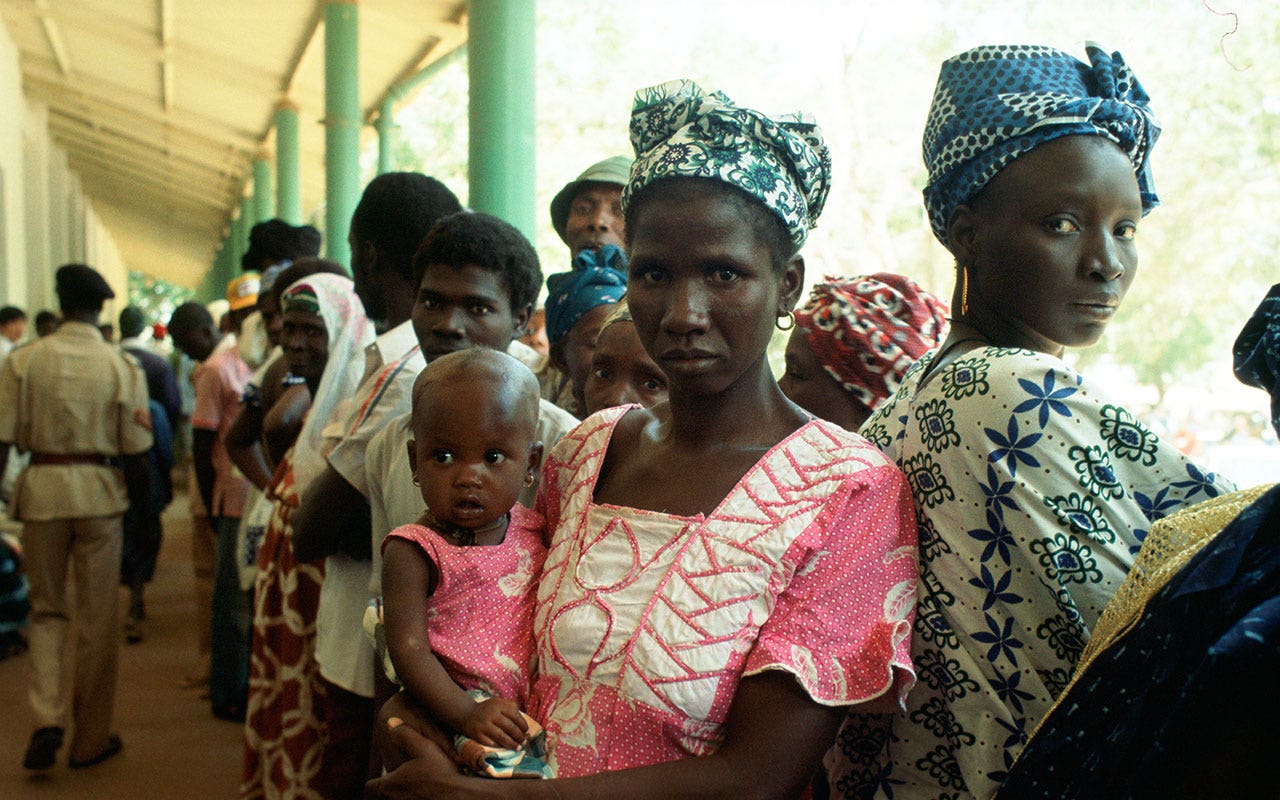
x: 75, y: 402
x: 587, y: 212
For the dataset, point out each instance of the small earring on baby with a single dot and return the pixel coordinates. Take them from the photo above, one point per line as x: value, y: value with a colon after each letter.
x: 415, y: 479
x: 528, y: 481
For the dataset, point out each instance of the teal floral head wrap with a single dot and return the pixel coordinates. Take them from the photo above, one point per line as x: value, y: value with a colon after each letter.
x: 678, y: 129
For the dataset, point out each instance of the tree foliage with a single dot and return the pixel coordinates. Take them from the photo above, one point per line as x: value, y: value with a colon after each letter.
x: 867, y: 69
x: 156, y: 298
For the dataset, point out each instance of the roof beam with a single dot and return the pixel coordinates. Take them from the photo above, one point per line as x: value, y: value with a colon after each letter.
x: 302, y: 54
x: 92, y: 19
x: 217, y: 162
x: 38, y: 76
x: 164, y: 10
x: 168, y: 186
x: 217, y: 158
x: 162, y: 169
x: 113, y: 176
x: 451, y: 35
x: 304, y: 51
x: 53, y: 36
x: 159, y: 170
x: 104, y: 190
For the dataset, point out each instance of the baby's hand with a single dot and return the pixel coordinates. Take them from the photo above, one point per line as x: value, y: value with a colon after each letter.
x: 496, y: 723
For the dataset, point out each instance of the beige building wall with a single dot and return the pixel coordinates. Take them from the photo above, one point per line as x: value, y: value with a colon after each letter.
x: 13, y: 243
x: 45, y: 218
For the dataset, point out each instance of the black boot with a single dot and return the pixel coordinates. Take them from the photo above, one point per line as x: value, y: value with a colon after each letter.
x: 42, y: 753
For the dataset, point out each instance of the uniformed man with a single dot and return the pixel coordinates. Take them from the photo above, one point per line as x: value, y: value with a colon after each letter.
x: 74, y: 402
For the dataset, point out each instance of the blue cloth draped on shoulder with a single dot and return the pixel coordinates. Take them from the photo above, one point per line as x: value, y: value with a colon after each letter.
x: 597, y: 279
x: 1257, y: 351
x: 994, y: 103
x: 1186, y: 703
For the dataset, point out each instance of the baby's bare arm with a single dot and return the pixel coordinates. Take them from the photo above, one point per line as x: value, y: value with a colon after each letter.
x: 408, y: 579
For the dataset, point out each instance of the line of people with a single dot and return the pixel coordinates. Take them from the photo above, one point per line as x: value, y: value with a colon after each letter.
x: 639, y: 564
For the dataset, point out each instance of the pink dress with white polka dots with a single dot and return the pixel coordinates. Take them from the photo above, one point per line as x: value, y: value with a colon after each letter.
x: 646, y: 622
x: 480, y: 615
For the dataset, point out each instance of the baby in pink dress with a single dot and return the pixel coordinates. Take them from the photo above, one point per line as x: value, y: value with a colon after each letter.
x: 460, y: 584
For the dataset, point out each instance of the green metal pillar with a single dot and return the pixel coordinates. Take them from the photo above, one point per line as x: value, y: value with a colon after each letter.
x: 264, y: 201
x: 288, y: 173
x: 386, y: 122
x: 385, y: 126
x: 342, y: 126
x: 247, y: 221
x: 225, y: 268
x: 239, y: 231
x: 501, y: 74
x: 205, y: 291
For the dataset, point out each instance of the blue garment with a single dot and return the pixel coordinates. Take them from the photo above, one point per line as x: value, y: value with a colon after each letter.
x: 142, y: 532
x: 596, y: 279
x: 162, y: 386
x: 1187, y: 702
x: 14, y: 605
x: 1257, y: 351
x: 231, y: 618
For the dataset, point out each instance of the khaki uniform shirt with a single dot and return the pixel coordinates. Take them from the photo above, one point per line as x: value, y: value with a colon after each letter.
x: 71, y: 393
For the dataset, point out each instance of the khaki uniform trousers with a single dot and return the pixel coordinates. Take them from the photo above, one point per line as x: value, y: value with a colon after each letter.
x: 92, y: 547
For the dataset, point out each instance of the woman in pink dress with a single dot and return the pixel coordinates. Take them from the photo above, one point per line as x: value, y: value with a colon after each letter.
x: 727, y: 576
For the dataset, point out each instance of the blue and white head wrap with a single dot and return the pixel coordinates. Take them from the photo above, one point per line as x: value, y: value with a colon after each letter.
x: 678, y: 129
x: 994, y: 103
x: 596, y: 279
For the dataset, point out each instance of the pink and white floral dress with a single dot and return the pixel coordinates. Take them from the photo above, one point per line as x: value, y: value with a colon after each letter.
x: 646, y: 622
x: 479, y: 616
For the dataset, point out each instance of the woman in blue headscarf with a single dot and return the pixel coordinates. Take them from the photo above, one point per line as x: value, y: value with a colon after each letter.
x: 577, y: 303
x: 1033, y: 490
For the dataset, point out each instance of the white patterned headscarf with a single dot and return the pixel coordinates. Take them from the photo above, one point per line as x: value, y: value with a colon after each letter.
x: 333, y: 298
x: 678, y: 129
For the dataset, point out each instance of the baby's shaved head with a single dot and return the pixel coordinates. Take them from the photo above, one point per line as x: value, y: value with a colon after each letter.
x: 508, y: 384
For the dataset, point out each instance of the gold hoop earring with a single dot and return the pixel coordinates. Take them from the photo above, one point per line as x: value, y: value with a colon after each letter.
x: 964, y: 291
x: 528, y: 481
x: 790, y: 317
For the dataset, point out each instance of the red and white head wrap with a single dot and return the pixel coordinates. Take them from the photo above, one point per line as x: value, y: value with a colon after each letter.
x: 866, y: 331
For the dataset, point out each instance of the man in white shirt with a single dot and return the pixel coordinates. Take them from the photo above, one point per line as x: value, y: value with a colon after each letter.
x: 394, y: 215
x: 13, y: 325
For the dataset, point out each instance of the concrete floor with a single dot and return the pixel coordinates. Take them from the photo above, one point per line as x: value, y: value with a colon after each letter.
x: 173, y: 746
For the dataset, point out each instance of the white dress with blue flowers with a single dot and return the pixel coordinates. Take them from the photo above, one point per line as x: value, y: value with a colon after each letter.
x: 1033, y: 493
